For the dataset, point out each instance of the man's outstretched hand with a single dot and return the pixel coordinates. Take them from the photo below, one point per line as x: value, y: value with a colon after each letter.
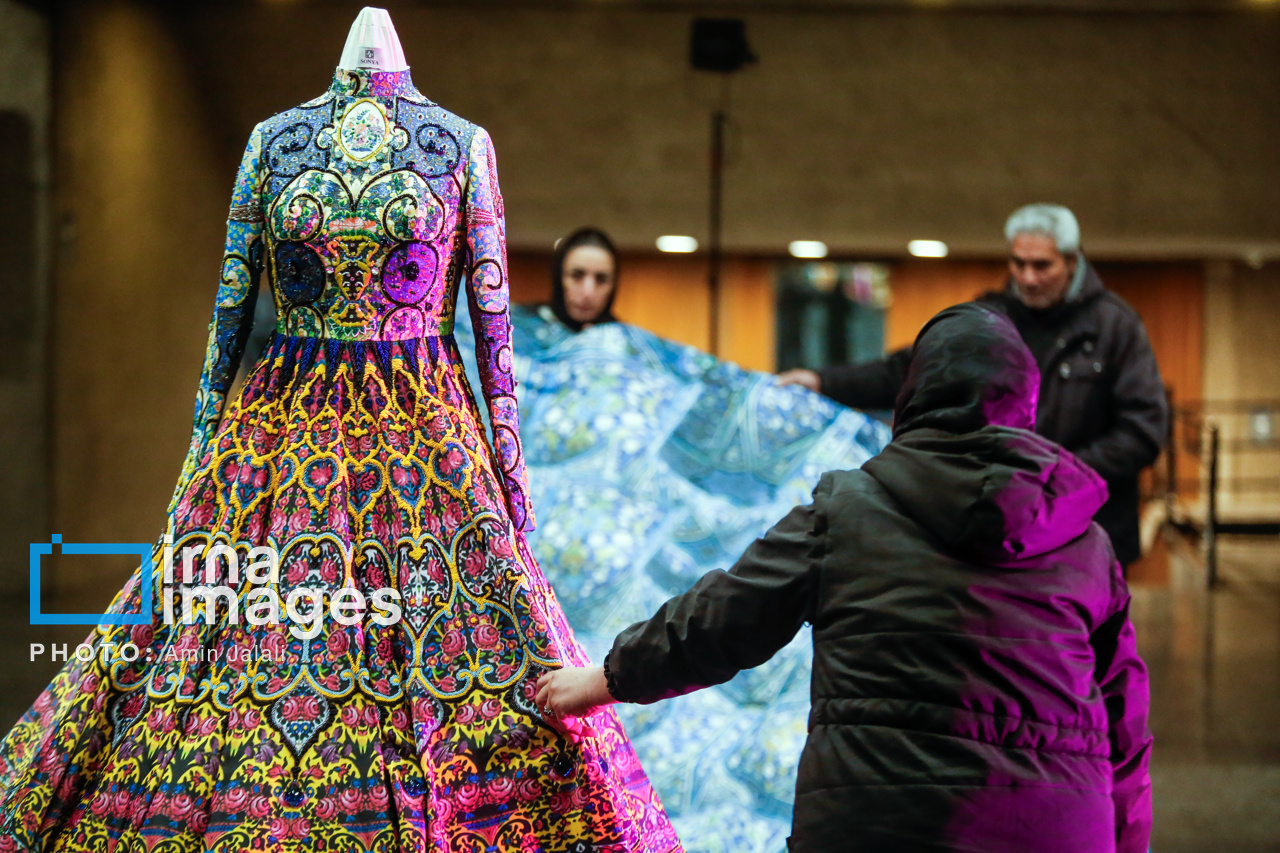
x: 803, y: 378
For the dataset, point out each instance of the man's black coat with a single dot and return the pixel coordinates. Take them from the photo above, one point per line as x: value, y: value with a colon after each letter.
x: 1101, y: 396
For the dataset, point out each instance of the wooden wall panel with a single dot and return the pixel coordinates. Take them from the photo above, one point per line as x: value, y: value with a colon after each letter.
x: 1170, y: 299
x: 668, y: 295
x: 748, y: 314
x: 923, y: 288
x: 530, y: 277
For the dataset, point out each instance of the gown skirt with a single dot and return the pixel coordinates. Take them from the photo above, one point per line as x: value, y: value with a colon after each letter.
x: 365, y: 465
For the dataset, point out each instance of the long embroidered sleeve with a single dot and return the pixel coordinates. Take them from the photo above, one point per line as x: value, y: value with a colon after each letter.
x: 233, y: 310
x: 489, y: 299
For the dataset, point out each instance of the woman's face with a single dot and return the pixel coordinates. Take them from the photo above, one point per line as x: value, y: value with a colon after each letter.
x: 588, y: 282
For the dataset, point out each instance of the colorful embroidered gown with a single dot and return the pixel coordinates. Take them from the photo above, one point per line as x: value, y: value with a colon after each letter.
x: 356, y: 450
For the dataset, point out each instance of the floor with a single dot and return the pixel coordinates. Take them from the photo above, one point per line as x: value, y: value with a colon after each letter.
x: 1214, y: 660
x: 1215, y: 674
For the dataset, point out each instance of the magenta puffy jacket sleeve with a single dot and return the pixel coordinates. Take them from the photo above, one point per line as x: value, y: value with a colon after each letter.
x: 1123, y: 678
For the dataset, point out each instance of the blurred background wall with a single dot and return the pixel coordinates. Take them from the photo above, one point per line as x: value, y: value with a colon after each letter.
x: 25, y: 101
x: 864, y: 124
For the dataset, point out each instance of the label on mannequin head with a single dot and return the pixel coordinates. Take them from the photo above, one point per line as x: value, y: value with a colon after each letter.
x: 370, y: 57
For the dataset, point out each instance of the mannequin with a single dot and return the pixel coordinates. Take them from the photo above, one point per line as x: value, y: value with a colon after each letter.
x: 370, y: 210
x: 372, y: 43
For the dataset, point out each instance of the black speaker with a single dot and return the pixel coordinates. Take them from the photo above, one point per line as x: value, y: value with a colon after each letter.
x: 719, y: 44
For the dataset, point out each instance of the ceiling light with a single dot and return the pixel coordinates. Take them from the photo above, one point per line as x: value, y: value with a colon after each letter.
x: 807, y: 249
x: 927, y: 248
x: 677, y: 243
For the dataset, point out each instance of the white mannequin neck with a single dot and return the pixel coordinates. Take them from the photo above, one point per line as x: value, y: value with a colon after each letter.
x: 372, y: 44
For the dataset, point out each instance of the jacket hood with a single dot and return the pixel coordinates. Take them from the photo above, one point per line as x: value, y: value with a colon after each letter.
x: 997, y: 493
x: 969, y: 368
x: 964, y: 461
x: 1090, y: 286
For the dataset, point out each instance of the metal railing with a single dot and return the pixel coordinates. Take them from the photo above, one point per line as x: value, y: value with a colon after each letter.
x: 1205, y: 433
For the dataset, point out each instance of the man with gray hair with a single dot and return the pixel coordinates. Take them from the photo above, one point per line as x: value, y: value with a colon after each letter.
x: 1101, y: 395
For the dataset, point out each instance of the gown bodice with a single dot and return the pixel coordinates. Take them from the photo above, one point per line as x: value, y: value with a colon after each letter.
x: 363, y: 198
x: 368, y: 208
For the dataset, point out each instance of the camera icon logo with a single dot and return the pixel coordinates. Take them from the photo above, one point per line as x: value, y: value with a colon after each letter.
x: 141, y: 549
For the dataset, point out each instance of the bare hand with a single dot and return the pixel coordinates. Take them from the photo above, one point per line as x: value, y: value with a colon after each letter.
x: 803, y: 378
x: 573, y: 692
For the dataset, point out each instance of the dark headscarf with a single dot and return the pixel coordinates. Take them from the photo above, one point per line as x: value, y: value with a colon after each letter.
x: 581, y: 237
x: 969, y: 368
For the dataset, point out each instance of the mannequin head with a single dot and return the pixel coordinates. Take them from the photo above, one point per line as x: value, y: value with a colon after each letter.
x: 372, y: 44
x: 584, y: 279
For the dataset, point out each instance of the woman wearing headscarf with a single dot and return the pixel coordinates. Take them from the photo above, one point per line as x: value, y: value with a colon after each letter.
x: 584, y: 279
x: 976, y: 683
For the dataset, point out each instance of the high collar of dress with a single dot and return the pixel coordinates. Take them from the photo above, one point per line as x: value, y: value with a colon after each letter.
x: 363, y: 83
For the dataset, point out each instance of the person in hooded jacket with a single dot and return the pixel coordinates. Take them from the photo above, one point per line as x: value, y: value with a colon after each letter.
x: 1101, y: 395
x: 976, y: 685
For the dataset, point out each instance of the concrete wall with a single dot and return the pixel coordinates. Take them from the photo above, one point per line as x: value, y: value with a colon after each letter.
x: 1242, y: 362
x: 860, y: 128
x: 25, y: 98
x: 142, y: 194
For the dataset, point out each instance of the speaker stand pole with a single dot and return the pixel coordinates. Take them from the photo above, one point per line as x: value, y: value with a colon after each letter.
x: 718, y: 120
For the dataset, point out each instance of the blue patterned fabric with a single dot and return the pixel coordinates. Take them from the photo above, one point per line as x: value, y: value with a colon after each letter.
x: 651, y: 463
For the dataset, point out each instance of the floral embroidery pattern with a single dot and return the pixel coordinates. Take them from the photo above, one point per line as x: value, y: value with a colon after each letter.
x: 363, y: 130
